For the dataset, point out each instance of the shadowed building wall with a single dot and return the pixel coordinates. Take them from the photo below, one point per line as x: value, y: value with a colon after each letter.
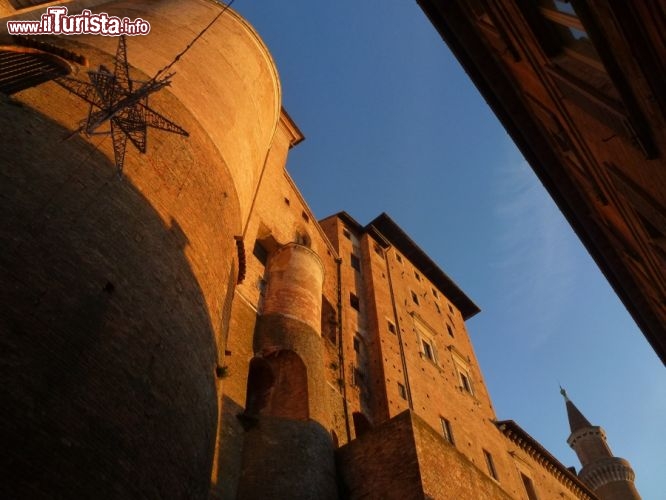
x: 116, y: 293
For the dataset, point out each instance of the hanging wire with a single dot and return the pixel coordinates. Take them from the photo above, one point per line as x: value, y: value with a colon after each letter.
x: 182, y: 53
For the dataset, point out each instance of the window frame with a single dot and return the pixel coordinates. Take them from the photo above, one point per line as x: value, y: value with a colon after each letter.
x: 447, y: 431
x: 355, y: 262
x: 490, y: 465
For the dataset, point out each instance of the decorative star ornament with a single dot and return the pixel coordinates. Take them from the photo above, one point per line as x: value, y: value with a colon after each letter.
x: 115, y: 98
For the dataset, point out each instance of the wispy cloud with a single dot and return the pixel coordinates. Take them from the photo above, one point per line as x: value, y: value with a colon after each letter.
x: 535, y: 261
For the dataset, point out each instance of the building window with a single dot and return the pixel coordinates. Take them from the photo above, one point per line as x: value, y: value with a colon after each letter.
x: 446, y: 430
x: 305, y: 216
x: 260, y: 253
x: 391, y: 327
x: 415, y: 298
x: 286, y: 201
x: 346, y: 232
x: 427, y: 350
x: 450, y: 330
x: 465, y: 383
x: 417, y: 276
x: 398, y: 258
x: 450, y: 309
x: 357, y: 344
x: 439, y: 311
x: 355, y: 262
x: 354, y: 302
x: 529, y: 487
x: 434, y: 293
x: 378, y: 250
x: 491, y: 465
x: 570, y: 31
x: 402, y: 391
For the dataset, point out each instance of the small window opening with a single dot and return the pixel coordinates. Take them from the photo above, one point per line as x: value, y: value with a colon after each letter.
x: 529, y: 487
x: 260, y: 253
x: 355, y: 262
x: 427, y: 350
x: 354, y: 302
x: 402, y: 391
x: 446, y: 430
x: 491, y: 465
x: 415, y: 298
x: 464, y: 382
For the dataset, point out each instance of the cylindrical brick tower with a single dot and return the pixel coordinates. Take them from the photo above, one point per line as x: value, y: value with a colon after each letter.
x: 114, y: 294
x: 286, y: 386
x: 611, y: 478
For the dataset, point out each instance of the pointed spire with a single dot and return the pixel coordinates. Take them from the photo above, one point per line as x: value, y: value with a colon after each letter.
x: 564, y: 394
x: 577, y: 420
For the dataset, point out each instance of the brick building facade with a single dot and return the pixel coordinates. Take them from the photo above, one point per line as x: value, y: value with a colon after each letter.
x: 194, y: 331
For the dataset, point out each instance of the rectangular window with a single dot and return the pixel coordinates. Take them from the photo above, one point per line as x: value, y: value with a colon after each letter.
x: 398, y: 258
x: 260, y: 253
x: 464, y: 382
x: 402, y: 391
x: 450, y: 309
x: 354, y: 302
x: 415, y: 298
x: 355, y: 262
x: 427, y: 350
x: 378, y: 250
x: 446, y: 430
x: 491, y: 465
x: 569, y: 29
x: 529, y: 487
x: 391, y: 327
x: 450, y: 330
x: 346, y: 232
x: 434, y: 293
x: 417, y: 276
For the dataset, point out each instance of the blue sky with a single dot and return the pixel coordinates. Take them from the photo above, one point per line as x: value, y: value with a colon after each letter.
x: 393, y: 124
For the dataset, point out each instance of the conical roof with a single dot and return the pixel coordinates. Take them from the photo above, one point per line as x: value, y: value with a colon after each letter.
x: 577, y: 420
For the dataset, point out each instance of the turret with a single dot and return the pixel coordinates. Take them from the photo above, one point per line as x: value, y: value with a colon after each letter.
x: 610, y: 477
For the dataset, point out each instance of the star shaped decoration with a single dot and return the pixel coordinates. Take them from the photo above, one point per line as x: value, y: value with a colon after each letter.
x: 115, y: 98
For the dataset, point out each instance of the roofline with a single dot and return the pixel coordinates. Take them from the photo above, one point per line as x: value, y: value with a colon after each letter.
x: 387, y: 232
x: 525, y: 441
x: 296, y: 135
